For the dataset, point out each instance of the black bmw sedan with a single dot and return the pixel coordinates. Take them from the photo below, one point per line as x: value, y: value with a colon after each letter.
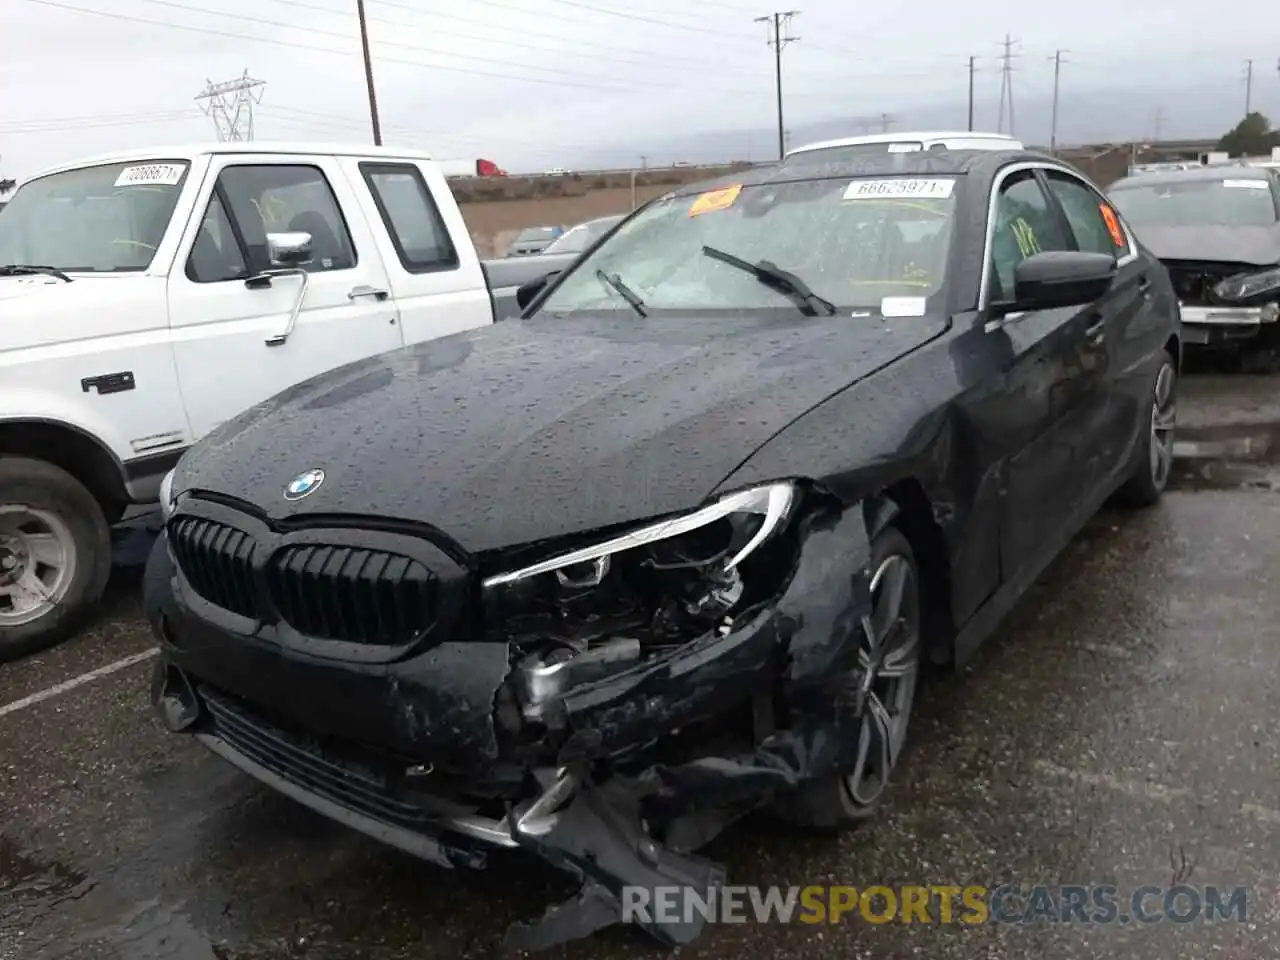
x: 679, y: 543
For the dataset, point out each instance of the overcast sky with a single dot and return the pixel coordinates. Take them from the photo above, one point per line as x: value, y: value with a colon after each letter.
x: 533, y: 90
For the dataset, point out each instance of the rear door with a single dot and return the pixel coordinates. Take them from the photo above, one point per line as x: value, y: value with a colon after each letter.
x: 432, y: 267
x: 225, y: 306
x: 1053, y: 384
x: 1133, y: 333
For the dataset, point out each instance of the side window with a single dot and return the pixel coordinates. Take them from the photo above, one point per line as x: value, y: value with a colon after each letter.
x: 1025, y: 225
x: 287, y: 198
x: 216, y: 254
x: 411, y: 216
x: 1095, y: 225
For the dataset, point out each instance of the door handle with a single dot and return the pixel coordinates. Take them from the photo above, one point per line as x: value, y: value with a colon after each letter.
x: 1144, y: 284
x: 364, y: 290
x: 1096, y: 331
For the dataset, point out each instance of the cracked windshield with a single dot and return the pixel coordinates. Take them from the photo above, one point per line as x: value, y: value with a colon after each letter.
x: 852, y: 243
x: 99, y: 219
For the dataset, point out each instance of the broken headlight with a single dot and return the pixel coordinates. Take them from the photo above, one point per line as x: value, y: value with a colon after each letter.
x: 724, y: 533
x: 663, y: 579
x: 598, y: 609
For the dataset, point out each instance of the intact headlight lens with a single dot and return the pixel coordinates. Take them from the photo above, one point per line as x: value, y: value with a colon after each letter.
x: 732, y: 528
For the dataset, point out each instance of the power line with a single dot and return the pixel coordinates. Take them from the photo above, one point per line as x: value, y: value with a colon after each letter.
x: 1006, y: 84
x: 582, y: 48
x: 590, y: 83
x: 230, y: 104
x: 778, y: 21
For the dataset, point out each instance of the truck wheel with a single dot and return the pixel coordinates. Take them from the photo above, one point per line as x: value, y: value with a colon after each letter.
x: 55, y: 555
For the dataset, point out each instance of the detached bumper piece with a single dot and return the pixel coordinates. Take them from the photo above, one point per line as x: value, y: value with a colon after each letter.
x: 569, y: 821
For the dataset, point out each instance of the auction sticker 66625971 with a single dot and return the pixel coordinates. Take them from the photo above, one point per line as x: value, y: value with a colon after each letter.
x: 901, y: 188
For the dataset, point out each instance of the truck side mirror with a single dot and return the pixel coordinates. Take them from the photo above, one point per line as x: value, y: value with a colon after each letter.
x: 289, y: 249
x: 529, y: 290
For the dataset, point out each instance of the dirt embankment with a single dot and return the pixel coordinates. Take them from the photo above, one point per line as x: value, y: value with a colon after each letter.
x: 497, y: 208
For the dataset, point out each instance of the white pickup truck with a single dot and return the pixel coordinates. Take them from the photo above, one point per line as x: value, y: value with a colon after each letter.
x: 147, y: 297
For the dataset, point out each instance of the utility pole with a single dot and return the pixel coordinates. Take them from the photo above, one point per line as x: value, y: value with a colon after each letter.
x: 368, y: 74
x: 1053, y: 128
x: 1157, y: 124
x: 1006, y: 84
x: 230, y: 104
x: 1248, y: 87
x: 779, y: 22
x: 886, y: 120
x: 972, y: 69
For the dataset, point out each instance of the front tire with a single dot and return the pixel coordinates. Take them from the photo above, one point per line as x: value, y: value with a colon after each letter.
x: 889, y: 665
x: 1155, y: 460
x: 55, y: 555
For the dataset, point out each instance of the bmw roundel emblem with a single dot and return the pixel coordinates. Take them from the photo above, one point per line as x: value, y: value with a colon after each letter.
x: 304, y: 484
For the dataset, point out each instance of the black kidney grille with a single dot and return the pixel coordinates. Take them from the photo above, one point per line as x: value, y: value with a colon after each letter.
x: 217, y: 561
x: 352, y: 594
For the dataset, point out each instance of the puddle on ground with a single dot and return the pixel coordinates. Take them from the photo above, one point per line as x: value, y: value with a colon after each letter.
x: 50, y: 912
x: 1225, y: 475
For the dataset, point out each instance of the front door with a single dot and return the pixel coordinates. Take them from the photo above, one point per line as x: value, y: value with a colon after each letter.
x: 1135, y: 328
x: 1056, y: 371
x: 229, y: 322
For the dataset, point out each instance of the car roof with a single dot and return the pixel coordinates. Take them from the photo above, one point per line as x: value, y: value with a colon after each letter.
x: 912, y: 136
x: 1196, y: 174
x: 189, y: 151
x: 980, y: 163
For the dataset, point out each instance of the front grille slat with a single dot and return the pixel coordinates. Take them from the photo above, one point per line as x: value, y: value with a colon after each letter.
x: 322, y: 591
x: 215, y: 566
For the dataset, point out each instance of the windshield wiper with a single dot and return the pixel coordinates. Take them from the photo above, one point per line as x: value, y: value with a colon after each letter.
x: 614, y: 282
x: 31, y: 269
x: 785, y: 282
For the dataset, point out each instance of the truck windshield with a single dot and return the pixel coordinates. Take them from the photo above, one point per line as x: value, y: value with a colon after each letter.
x: 107, y: 218
x: 1229, y: 202
x: 853, y: 243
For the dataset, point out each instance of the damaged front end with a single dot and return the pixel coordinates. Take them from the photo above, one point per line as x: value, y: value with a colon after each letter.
x: 646, y: 688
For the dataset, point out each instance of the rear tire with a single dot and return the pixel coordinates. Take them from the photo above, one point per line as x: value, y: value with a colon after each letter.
x: 845, y: 800
x: 1155, y: 457
x: 55, y: 555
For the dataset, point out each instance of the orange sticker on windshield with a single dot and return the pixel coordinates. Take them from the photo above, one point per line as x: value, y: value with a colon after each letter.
x: 1113, y: 225
x: 714, y: 200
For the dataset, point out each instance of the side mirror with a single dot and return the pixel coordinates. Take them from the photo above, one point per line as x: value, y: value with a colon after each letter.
x: 528, y: 291
x: 1255, y: 289
x: 289, y: 249
x: 1060, y: 278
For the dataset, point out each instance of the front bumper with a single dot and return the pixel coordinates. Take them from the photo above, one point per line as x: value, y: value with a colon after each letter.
x: 408, y: 751
x: 1225, y: 325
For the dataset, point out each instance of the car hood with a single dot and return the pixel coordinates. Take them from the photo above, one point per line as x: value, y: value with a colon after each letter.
x: 528, y: 430
x: 1251, y: 245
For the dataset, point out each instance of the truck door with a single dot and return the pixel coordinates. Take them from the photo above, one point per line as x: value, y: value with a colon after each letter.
x: 436, y: 277
x: 240, y: 332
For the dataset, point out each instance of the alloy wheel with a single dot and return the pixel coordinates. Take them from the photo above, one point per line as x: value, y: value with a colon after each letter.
x: 889, y: 667
x: 1164, y: 415
x: 37, y: 563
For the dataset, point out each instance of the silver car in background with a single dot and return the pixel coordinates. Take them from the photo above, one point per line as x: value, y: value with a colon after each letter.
x: 1206, y: 224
